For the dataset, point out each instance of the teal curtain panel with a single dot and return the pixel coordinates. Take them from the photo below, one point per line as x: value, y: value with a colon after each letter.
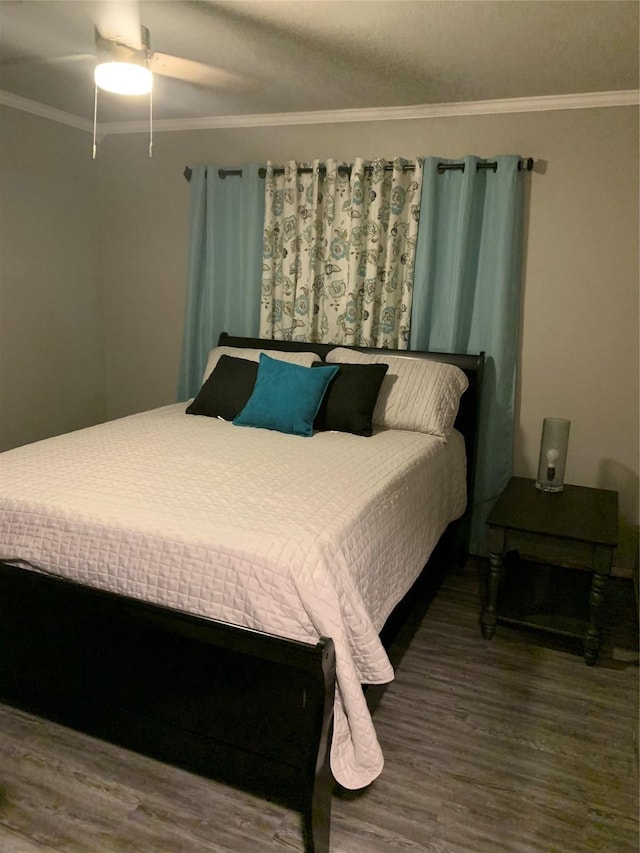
x: 226, y: 222
x: 467, y: 293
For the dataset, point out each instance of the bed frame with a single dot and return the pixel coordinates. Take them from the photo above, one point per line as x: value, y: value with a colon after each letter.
x: 240, y: 706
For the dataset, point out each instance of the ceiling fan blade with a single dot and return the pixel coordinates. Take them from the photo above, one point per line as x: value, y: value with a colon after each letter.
x: 50, y: 60
x: 198, y: 73
x: 118, y: 20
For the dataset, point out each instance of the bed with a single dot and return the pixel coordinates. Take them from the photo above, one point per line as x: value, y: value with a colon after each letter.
x: 216, y: 595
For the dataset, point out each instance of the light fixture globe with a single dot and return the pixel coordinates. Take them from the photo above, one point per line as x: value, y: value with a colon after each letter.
x: 123, y: 78
x: 123, y: 68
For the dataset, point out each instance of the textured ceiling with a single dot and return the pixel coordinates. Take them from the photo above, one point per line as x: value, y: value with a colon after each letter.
x: 305, y: 55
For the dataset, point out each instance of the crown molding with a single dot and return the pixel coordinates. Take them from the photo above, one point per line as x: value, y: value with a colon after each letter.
x: 588, y: 100
x: 8, y: 99
x: 420, y: 111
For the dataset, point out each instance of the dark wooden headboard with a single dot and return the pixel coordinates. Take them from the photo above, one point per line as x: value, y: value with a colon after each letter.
x: 472, y: 365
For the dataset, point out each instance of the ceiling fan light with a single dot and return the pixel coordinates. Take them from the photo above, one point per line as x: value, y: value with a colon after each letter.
x: 123, y: 78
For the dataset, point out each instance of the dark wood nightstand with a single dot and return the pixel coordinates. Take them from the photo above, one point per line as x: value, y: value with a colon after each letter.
x: 573, y: 529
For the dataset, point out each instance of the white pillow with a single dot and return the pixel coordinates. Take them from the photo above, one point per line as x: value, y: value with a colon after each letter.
x: 417, y: 394
x: 306, y: 359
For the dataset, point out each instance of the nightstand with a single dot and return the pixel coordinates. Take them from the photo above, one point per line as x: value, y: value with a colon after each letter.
x: 576, y: 528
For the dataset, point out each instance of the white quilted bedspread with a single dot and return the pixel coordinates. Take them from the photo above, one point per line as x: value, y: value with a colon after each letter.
x: 300, y: 537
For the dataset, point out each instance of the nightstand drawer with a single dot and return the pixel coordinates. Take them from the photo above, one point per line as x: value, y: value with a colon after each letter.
x: 542, y: 549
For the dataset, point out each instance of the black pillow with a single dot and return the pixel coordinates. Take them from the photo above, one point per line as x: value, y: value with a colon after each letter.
x: 351, y: 398
x: 227, y: 389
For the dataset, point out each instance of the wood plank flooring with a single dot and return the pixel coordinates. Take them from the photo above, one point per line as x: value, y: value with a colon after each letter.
x: 511, y: 745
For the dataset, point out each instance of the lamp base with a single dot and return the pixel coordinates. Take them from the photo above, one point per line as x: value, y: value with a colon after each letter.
x: 549, y: 487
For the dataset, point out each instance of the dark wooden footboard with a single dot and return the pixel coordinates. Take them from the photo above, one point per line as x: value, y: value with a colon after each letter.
x: 236, y: 705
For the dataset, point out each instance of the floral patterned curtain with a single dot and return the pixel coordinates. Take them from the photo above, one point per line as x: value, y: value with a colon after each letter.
x: 339, y: 249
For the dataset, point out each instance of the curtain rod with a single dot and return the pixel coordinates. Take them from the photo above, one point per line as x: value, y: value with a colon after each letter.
x: 526, y: 165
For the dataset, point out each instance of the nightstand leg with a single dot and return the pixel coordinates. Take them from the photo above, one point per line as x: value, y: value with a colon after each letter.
x: 592, y: 637
x: 489, y: 616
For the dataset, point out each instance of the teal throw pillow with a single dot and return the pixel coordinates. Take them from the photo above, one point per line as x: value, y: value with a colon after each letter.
x: 286, y: 397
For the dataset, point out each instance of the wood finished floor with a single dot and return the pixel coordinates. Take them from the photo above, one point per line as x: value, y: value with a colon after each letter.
x: 511, y: 745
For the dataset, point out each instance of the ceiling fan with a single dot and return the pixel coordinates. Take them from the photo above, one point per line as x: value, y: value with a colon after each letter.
x: 122, y: 47
x: 125, y: 62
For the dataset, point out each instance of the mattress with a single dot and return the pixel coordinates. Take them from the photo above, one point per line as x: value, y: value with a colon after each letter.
x: 299, y: 537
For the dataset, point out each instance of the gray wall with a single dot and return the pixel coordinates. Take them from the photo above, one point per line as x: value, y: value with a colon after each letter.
x: 52, y: 354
